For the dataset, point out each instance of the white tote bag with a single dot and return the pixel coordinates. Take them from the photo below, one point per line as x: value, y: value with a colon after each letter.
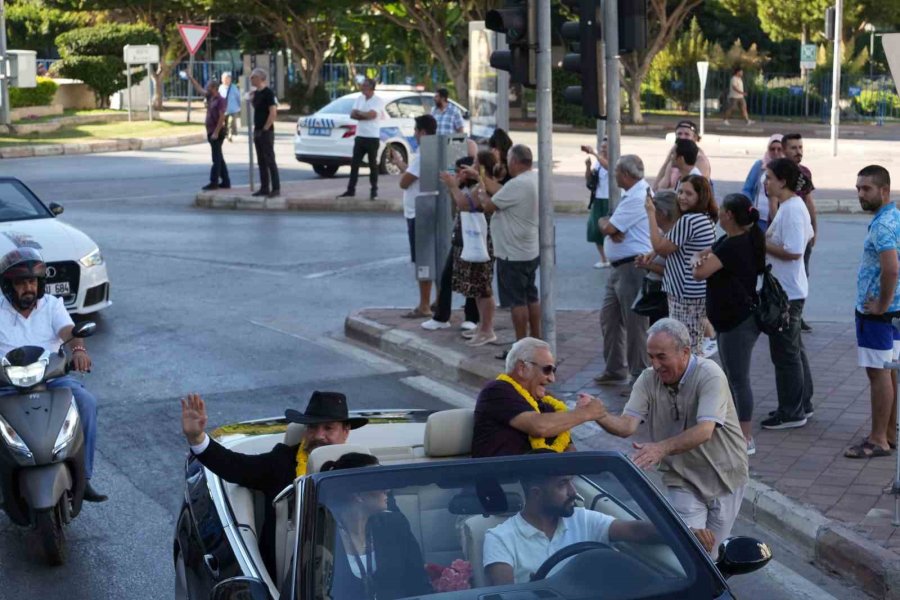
x: 474, y: 235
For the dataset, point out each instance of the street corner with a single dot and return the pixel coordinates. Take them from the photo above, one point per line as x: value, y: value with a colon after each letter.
x: 303, y: 196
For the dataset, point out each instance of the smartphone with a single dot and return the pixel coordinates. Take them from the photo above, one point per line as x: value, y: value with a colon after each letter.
x: 451, y: 169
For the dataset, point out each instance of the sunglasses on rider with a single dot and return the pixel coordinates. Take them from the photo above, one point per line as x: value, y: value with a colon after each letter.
x: 545, y: 369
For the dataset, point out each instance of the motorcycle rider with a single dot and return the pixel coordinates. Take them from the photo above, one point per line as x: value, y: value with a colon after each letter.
x: 28, y: 317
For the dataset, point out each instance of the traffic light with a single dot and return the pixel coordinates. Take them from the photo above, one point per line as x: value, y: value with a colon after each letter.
x: 588, y: 60
x: 518, y: 21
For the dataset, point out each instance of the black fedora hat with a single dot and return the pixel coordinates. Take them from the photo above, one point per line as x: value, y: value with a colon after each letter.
x: 325, y: 407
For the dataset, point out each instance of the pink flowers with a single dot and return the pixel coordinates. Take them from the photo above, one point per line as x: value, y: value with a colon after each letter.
x: 452, y: 578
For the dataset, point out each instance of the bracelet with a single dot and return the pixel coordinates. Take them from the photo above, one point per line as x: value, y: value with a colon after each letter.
x: 79, y: 348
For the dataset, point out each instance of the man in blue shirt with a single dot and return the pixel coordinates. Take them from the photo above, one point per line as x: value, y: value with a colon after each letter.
x: 446, y: 113
x: 232, y: 96
x: 877, y: 303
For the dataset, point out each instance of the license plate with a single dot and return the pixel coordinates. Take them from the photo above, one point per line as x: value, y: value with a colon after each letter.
x: 57, y: 289
x: 320, y: 131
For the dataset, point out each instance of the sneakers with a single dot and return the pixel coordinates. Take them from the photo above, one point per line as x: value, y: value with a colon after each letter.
x: 751, y: 447
x: 432, y: 325
x: 259, y: 193
x: 779, y: 422
x: 347, y: 194
x: 603, y: 264
x: 750, y: 122
x: 469, y: 334
x: 710, y: 347
x: 725, y: 122
x: 481, y: 340
x: 373, y: 195
x: 807, y: 412
x: 210, y: 186
x: 804, y: 326
x: 608, y: 379
x: 274, y: 194
x: 468, y: 326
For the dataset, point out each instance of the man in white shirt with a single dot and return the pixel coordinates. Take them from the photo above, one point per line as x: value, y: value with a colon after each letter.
x: 409, y: 183
x: 737, y: 96
x: 29, y: 317
x: 549, y: 521
x: 369, y: 111
x: 628, y: 236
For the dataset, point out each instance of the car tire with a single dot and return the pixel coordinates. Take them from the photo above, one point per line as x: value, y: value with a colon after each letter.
x: 386, y: 167
x: 325, y: 170
x: 182, y: 591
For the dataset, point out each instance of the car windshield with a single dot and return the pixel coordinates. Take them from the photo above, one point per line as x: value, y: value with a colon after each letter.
x: 451, y: 529
x: 341, y: 106
x: 17, y: 203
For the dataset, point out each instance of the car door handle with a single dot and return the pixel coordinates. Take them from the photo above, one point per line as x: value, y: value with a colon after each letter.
x: 212, y: 563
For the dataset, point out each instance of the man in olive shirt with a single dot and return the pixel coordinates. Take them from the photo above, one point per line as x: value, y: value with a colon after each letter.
x: 696, y: 439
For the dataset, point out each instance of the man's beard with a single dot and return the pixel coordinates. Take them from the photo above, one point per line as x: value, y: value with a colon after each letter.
x: 562, y: 511
x: 26, y: 301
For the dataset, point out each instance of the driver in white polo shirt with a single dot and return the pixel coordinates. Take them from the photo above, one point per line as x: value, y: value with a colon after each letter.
x: 549, y: 521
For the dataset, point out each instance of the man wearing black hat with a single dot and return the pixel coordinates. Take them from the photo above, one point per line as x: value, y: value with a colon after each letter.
x: 327, y: 422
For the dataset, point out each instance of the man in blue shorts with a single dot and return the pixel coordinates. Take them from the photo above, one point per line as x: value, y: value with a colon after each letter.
x: 877, y: 304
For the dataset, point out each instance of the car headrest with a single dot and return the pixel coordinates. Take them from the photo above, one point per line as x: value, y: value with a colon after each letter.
x: 449, y: 432
x: 323, y: 454
x: 294, y: 434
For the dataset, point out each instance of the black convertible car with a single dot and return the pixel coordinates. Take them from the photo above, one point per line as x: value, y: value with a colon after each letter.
x: 434, y: 505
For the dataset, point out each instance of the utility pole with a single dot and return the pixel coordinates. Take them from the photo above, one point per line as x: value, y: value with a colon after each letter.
x: 4, y: 70
x: 613, y: 94
x: 545, y: 173
x: 836, y: 76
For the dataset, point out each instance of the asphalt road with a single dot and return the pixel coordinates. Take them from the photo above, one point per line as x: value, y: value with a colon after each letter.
x: 244, y: 308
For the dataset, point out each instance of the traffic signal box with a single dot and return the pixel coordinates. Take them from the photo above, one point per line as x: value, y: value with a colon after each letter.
x: 586, y: 35
x: 518, y: 21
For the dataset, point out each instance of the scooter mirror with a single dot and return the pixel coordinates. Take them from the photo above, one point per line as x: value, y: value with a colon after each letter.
x: 84, y: 329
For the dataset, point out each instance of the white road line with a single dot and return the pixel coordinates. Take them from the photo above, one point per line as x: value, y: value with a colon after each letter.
x: 439, y: 390
x: 794, y: 585
x: 370, y: 359
x: 363, y: 267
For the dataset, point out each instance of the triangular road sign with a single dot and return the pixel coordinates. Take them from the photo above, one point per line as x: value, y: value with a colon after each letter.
x: 193, y: 36
x: 891, y: 44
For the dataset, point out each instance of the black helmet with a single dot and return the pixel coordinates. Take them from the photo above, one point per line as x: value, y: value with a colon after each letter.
x: 18, y: 264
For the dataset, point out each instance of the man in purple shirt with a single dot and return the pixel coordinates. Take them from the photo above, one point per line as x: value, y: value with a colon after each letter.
x: 216, y: 112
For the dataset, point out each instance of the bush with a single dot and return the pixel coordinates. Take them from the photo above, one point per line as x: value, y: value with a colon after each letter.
x: 303, y: 102
x: 868, y: 102
x: 565, y: 112
x: 103, y: 74
x: 41, y: 95
x: 105, y: 40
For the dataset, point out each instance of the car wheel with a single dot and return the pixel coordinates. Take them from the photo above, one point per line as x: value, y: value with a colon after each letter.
x: 386, y: 167
x: 325, y: 170
x: 181, y: 586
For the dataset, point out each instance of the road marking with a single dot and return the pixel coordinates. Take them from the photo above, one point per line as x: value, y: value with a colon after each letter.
x: 363, y: 267
x: 439, y: 390
x: 794, y: 585
x: 370, y: 359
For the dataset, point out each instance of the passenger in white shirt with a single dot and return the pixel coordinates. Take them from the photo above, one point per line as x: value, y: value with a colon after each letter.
x: 368, y: 110
x: 515, y: 549
x: 786, y: 240
x: 628, y: 236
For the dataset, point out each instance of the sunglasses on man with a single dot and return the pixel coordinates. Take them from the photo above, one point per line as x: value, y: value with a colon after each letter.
x: 545, y: 369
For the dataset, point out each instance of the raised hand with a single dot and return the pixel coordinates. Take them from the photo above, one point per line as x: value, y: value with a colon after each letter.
x: 193, y: 418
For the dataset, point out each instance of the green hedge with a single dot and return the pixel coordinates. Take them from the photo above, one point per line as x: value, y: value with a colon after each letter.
x: 41, y: 95
x: 108, y: 39
x: 868, y: 101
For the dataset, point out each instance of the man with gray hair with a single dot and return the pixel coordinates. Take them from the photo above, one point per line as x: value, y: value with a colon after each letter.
x: 628, y: 237
x: 265, y: 110
x: 695, y: 436
x: 514, y: 230
x: 515, y: 415
x: 232, y: 96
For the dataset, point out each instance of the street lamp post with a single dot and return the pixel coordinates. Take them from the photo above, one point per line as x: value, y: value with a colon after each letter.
x: 4, y: 73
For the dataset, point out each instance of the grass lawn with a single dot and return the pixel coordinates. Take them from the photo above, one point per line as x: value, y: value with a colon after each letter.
x: 103, y: 131
x: 69, y: 112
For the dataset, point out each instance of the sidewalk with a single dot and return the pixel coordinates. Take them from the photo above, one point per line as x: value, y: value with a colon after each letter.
x: 803, y: 488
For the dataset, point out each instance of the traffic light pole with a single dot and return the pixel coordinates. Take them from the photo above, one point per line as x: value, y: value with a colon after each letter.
x: 836, y: 76
x: 613, y: 94
x: 4, y: 80
x: 545, y: 173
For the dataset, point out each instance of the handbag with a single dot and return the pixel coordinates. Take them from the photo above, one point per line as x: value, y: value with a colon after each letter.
x: 474, y: 237
x: 651, y: 301
x: 772, y: 310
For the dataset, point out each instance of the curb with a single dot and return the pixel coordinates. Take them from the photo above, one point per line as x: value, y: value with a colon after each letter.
x: 117, y: 145
x: 828, y: 543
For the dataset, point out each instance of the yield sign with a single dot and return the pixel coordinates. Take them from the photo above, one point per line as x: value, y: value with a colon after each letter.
x: 193, y: 36
x: 891, y: 43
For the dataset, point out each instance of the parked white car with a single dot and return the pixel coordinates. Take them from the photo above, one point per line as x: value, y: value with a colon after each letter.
x: 325, y: 139
x: 76, y: 271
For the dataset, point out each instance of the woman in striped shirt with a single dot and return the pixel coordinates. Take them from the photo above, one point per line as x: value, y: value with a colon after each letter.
x: 693, y: 232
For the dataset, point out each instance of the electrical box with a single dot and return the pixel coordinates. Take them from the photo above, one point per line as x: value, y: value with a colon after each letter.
x: 22, y: 68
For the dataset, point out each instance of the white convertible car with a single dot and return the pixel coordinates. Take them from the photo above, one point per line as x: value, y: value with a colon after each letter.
x: 76, y: 271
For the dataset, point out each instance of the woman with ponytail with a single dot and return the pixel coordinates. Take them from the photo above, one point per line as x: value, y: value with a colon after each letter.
x: 730, y: 269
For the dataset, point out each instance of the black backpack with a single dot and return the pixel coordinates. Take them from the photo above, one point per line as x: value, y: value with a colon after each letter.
x: 773, y: 310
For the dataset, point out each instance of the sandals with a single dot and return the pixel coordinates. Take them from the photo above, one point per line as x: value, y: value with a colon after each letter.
x: 866, y: 449
x: 416, y: 314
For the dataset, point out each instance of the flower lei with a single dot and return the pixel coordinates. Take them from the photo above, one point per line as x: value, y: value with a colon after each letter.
x: 563, y: 440
x: 302, y: 459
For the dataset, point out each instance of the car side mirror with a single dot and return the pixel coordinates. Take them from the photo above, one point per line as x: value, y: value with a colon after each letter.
x: 466, y: 116
x: 84, y: 329
x: 56, y: 209
x: 740, y: 555
x: 240, y: 588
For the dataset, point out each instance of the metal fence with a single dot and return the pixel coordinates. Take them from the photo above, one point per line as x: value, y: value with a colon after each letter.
x: 338, y: 77
x: 774, y: 95
x: 176, y: 86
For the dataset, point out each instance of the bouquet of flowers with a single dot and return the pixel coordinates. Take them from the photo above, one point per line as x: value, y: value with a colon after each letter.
x: 452, y: 578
